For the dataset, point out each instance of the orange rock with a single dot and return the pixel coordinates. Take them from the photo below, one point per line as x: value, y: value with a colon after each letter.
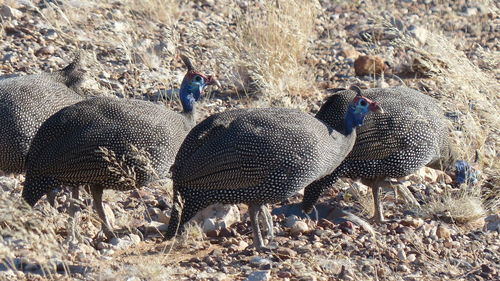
x: 443, y: 232
x: 369, y: 65
x: 348, y: 51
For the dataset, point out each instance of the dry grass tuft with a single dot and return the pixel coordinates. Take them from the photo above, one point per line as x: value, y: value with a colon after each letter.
x: 458, y: 206
x: 138, y: 271
x: 164, y: 11
x: 270, y: 49
x: 192, y: 234
x: 31, y: 232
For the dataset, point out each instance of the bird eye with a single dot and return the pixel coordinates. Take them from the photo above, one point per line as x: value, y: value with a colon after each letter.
x: 363, y: 103
x: 198, y: 78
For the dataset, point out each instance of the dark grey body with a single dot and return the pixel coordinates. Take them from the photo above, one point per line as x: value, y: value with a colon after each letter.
x: 65, y: 151
x: 410, y: 134
x: 25, y: 103
x: 253, y: 156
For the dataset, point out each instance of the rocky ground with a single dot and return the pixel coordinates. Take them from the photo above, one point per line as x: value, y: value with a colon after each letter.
x: 269, y: 53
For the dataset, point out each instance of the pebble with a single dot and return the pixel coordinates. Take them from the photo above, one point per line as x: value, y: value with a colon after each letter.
x: 285, y: 253
x: 493, y: 223
x: 48, y: 50
x: 259, y: 261
x: 402, y: 255
x: 7, y: 13
x: 261, y: 275
x: 443, y: 232
x: 369, y: 65
x: 413, y: 222
x: 403, y: 268
x: 411, y: 258
x: 299, y: 227
x: 290, y: 220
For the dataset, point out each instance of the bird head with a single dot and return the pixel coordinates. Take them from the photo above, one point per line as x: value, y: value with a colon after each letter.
x: 193, y: 84
x: 360, y: 107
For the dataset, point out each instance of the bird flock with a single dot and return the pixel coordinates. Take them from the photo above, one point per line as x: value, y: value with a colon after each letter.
x: 256, y: 156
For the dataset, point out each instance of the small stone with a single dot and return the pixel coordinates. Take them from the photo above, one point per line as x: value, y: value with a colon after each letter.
x: 369, y: 65
x: 259, y: 261
x: 285, y: 253
x: 402, y: 255
x: 48, y: 50
x: 51, y: 34
x: 134, y: 238
x: 326, y: 224
x: 469, y: 11
x: 285, y: 274
x: 155, y: 227
x: 411, y: 258
x: 429, y: 230
x: 443, y: 232
x: 347, y: 227
x: 381, y: 272
x: 290, y: 220
x: 403, y: 268
x: 7, y: 12
x: 493, y: 223
x: 413, y: 222
x: 299, y: 227
x: 242, y: 245
x: 209, y: 225
x: 261, y: 275
x: 348, y: 51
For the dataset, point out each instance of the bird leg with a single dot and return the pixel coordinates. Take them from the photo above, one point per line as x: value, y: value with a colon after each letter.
x: 379, y: 209
x: 51, y: 197
x: 97, y: 196
x: 74, y: 211
x: 254, y: 211
x: 268, y: 221
x: 406, y: 194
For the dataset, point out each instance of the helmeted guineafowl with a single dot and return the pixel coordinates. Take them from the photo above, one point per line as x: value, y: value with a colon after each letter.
x: 411, y: 134
x: 257, y: 156
x: 26, y: 102
x: 110, y: 143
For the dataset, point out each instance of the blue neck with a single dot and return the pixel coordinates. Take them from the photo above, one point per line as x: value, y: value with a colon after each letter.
x: 188, y: 96
x: 352, y: 120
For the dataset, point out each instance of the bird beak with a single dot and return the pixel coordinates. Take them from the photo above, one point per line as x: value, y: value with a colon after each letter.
x: 374, y: 107
x: 213, y: 81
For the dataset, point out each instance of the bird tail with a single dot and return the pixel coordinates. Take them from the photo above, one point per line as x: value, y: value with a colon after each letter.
x: 35, y: 188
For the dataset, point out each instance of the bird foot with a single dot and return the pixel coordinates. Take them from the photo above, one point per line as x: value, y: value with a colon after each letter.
x: 380, y: 221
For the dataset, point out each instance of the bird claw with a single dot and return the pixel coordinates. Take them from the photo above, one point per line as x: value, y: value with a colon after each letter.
x: 379, y: 221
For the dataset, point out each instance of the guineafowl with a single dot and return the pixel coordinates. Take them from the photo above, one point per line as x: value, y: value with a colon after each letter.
x: 110, y: 143
x: 411, y: 134
x: 257, y: 157
x: 26, y: 102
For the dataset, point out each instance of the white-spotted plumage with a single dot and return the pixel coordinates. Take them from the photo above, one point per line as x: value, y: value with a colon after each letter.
x: 410, y: 134
x: 253, y: 156
x: 26, y: 102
